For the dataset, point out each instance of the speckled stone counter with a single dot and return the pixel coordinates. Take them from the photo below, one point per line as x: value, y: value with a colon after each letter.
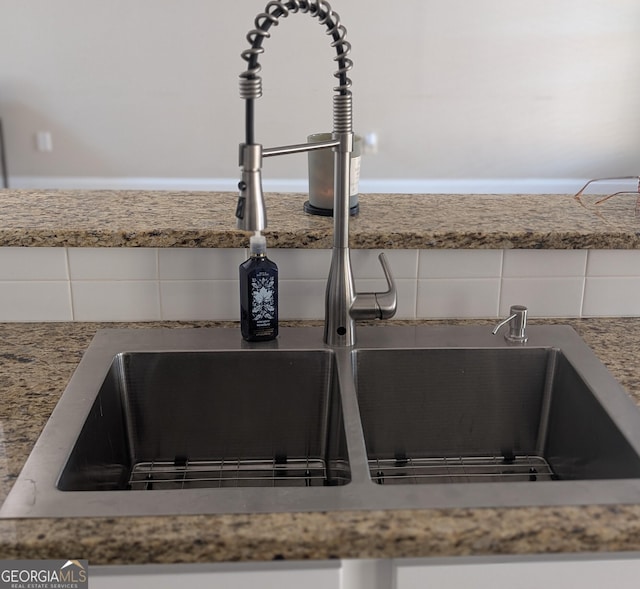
x: 36, y: 361
x: 206, y: 219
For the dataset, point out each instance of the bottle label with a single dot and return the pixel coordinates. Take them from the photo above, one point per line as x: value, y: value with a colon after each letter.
x: 263, y: 297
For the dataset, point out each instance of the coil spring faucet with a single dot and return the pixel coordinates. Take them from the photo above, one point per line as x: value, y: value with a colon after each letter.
x: 342, y: 304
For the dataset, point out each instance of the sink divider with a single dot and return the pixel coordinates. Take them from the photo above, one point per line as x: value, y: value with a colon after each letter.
x: 545, y: 411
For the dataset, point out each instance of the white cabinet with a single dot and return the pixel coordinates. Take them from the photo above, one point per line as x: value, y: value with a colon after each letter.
x: 270, y: 575
x: 591, y: 571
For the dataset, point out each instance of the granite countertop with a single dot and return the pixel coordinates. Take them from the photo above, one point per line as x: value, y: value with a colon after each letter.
x: 36, y: 361
x: 402, y: 221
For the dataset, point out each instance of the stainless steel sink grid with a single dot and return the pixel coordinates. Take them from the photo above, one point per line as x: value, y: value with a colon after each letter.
x: 200, y: 474
x: 189, y: 421
x: 460, y: 469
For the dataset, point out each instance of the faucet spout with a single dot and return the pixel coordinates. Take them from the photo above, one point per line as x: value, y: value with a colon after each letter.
x: 342, y: 304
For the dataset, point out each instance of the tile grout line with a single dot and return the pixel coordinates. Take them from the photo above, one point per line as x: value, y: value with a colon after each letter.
x: 415, y: 283
x: 159, y: 289
x: 500, y: 282
x: 584, y: 282
x: 70, y: 282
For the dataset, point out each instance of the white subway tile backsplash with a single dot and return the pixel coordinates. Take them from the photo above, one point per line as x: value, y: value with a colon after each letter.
x: 544, y: 263
x: 33, y: 263
x: 35, y: 301
x: 460, y: 264
x: 613, y: 263
x: 452, y: 297
x: 138, y: 284
x: 613, y: 296
x: 200, y: 300
x: 544, y: 297
x: 200, y: 263
x: 117, y: 300
x: 301, y: 299
x: 113, y: 263
x: 301, y: 264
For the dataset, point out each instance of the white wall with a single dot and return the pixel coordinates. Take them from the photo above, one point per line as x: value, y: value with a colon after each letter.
x: 454, y: 89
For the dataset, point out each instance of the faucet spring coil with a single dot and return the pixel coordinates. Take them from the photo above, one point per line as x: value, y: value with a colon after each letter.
x: 342, y: 113
x: 342, y: 47
x: 250, y: 88
x: 276, y: 9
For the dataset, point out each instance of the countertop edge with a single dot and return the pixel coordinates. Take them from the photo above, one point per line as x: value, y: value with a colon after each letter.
x: 390, y: 221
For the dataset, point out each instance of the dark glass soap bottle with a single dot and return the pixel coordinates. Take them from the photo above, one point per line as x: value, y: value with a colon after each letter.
x: 258, y: 293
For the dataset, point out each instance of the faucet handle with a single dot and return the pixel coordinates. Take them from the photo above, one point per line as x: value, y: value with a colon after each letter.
x: 517, y: 321
x: 377, y: 305
x: 388, y: 300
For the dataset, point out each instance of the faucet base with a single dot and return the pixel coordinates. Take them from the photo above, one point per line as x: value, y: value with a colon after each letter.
x: 311, y: 210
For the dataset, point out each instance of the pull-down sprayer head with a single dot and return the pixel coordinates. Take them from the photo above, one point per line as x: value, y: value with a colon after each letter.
x: 250, y: 210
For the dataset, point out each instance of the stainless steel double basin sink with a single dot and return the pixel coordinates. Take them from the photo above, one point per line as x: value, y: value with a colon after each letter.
x: 197, y: 421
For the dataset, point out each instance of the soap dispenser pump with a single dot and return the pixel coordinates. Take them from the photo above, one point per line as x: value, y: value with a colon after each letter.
x: 258, y: 293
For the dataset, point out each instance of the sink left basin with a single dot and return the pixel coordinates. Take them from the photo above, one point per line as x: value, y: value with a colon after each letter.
x: 185, y: 421
x: 210, y: 419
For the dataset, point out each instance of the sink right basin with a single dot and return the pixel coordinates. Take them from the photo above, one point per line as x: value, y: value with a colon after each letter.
x: 456, y: 415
